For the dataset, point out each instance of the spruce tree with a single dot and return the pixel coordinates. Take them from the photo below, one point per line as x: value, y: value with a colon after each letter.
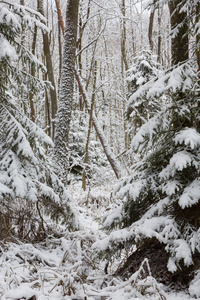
x: 140, y: 109
x: 160, y: 210
x: 26, y: 175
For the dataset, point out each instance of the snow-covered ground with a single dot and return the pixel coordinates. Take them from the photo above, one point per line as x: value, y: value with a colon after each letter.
x: 66, y: 267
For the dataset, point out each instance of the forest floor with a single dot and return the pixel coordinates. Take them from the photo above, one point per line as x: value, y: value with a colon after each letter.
x: 66, y: 267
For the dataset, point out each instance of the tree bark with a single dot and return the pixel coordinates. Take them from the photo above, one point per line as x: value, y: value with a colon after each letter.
x: 47, y: 114
x: 50, y: 72
x: 159, y: 35
x: 198, y: 38
x: 150, y: 32
x: 89, y: 127
x: 60, y: 18
x: 61, y: 27
x: 123, y: 35
x: 33, y: 74
x: 124, y: 67
x: 66, y: 89
x: 179, y: 44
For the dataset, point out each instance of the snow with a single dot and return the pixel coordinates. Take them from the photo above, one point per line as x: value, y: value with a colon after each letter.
x: 170, y: 187
x: 4, y: 190
x: 30, y: 17
x: 190, y: 194
x: 18, y: 185
x: 24, y: 291
x: 166, y: 81
x: 180, y: 160
x: 140, y: 80
x: 194, y: 288
x: 172, y: 267
x: 65, y: 268
x: 189, y: 136
x: 183, y: 251
x: 32, y: 195
x: 133, y: 189
x: 116, y: 214
x: 8, y: 17
x: 6, y: 49
x: 148, y: 128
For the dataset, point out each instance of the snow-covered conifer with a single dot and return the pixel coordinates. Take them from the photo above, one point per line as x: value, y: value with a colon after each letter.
x: 145, y: 68
x: 161, y: 197
x: 25, y: 172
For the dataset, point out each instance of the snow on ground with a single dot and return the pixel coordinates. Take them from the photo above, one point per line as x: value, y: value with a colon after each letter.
x: 66, y: 268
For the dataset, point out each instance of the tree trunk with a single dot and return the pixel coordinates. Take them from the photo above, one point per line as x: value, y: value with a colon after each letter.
x: 159, y: 34
x: 79, y: 60
x: 50, y: 71
x: 150, y: 33
x: 141, y: 26
x: 47, y: 114
x: 123, y: 35
x: 66, y: 89
x: 89, y: 127
x: 198, y: 38
x: 33, y: 74
x: 60, y: 18
x: 110, y: 156
x: 179, y: 44
x: 61, y: 27
x: 124, y: 67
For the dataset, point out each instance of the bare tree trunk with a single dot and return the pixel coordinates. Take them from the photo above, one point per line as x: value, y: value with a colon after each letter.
x: 61, y: 27
x: 168, y: 47
x: 50, y: 72
x: 110, y: 156
x: 159, y: 34
x: 60, y: 54
x: 90, y: 126
x: 111, y: 99
x: 123, y: 35
x: 197, y: 45
x: 198, y: 38
x: 23, y: 96
x: 47, y: 114
x: 124, y: 65
x: 79, y: 41
x: 33, y: 74
x: 79, y: 60
x: 79, y: 47
x: 91, y: 64
x: 150, y: 33
x: 132, y: 32
x: 60, y: 18
x: 66, y: 89
x: 141, y: 27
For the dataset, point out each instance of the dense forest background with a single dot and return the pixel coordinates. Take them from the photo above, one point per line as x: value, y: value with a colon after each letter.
x: 99, y: 149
